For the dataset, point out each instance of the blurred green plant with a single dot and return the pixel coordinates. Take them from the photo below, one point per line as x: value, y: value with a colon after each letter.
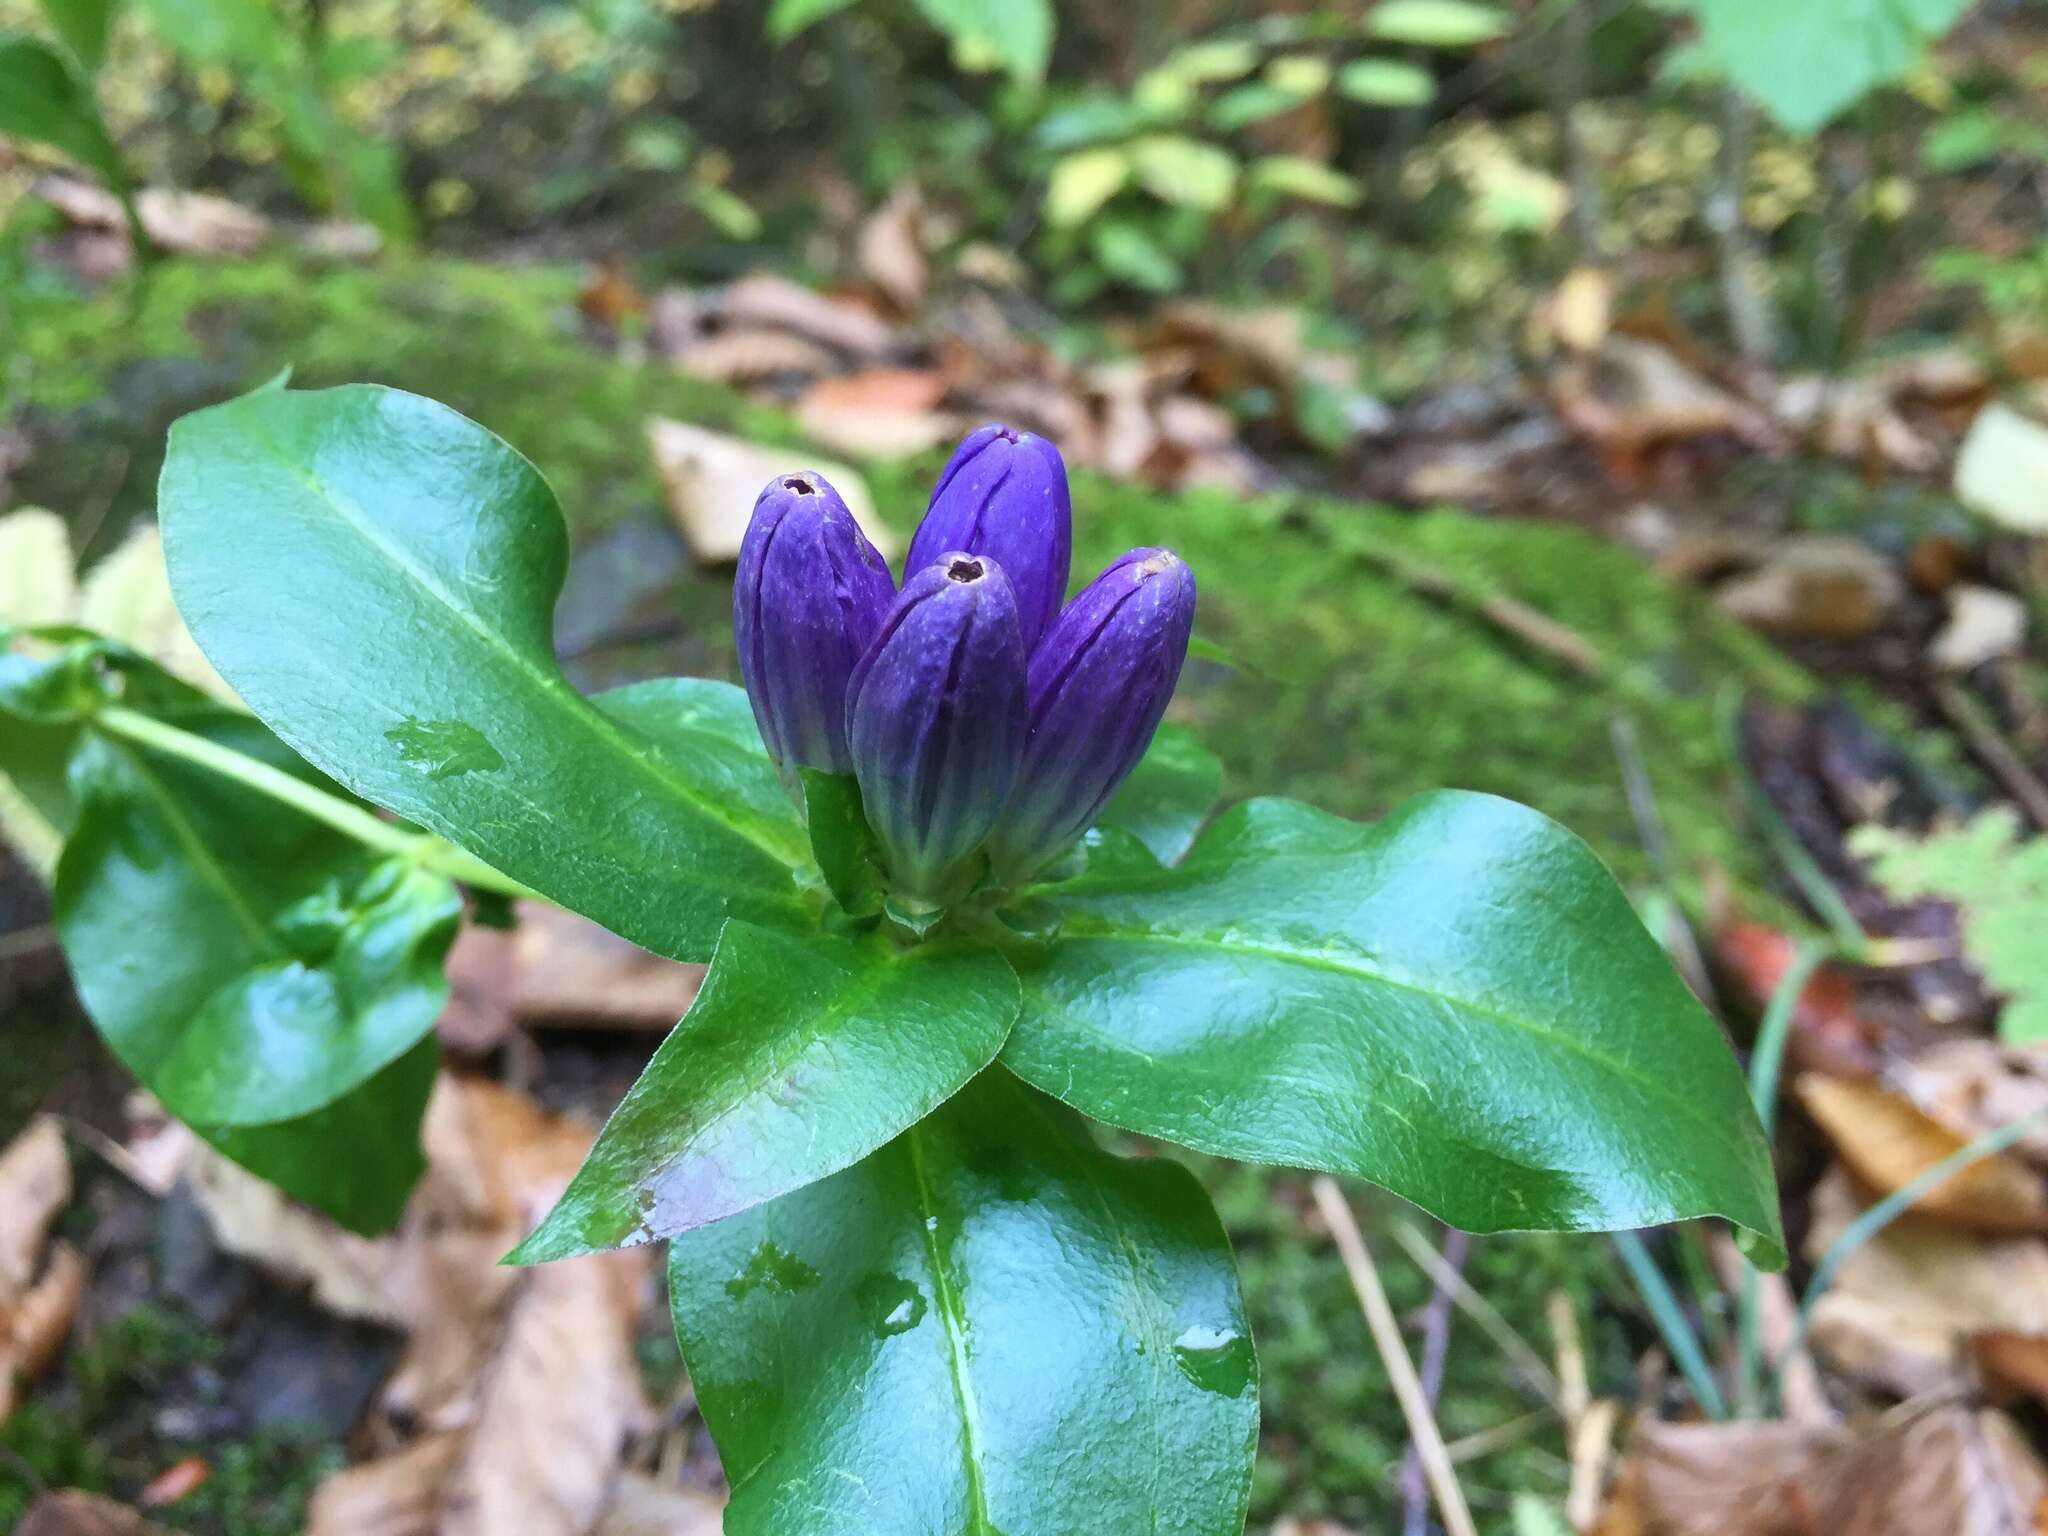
x: 1136, y: 182
x: 1013, y: 36
x: 47, y: 98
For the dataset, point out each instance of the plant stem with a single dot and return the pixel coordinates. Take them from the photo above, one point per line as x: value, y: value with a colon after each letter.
x: 422, y: 848
x: 1670, y: 1319
x: 1386, y: 1334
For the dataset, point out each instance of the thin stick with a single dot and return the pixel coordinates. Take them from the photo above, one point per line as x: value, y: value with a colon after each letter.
x: 1530, y: 1366
x: 1501, y: 1436
x: 1436, y: 1347
x: 1511, y: 615
x: 1998, y: 754
x: 1386, y: 1336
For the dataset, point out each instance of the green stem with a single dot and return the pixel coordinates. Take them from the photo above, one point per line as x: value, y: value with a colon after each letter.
x: 1766, y: 1063
x: 421, y: 848
x: 1679, y: 1338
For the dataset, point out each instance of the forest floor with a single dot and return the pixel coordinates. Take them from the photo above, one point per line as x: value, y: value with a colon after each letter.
x: 1688, y: 616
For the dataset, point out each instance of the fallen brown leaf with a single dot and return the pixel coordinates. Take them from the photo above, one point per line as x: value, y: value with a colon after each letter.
x: 712, y: 480
x: 1936, y: 1468
x: 69, y: 1512
x: 1815, y: 584
x: 397, y: 1495
x: 179, y: 1480
x: 1829, y: 1031
x: 890, y: 252
x: 40, y: 1287
x: 753, y: 354
x: 878, y: 412
x: 192, y: 223
x: 558, y: 968
x: 1904, y: 1306
x: 767, y: 300
x: 2013, y: 1362
x: 1887, y: 1141
x: 640, y: 1506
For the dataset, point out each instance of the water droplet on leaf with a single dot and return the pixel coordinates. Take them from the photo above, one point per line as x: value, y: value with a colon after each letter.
x: 891, y: 1304
x: 1217, y: 1360
x: 444, y: 749
x: 774, y: 1270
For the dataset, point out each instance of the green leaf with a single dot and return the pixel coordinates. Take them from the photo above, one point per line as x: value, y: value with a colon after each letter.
x: 41, y: 99
x: 1435, y: 23
x: 1457, y: 1003
x: 1130, y: 255
x: 357, y: 1159
x: 1249, y: 104
x: 1999, y: 883
x: 83, y: 26
x: 990, y: 1325
x: 799, y: 1058
x: 1168, y: 795
x: 1184, y: 172
x: 1011, y: 35
x: 1082, y: 182
x: 376, y: 576
x: 842, y: 842
x: 1299, y: 176
x: 786, y: 18
x: 1386, y: 83
x: 271, y: 975
x: 1805, y: 64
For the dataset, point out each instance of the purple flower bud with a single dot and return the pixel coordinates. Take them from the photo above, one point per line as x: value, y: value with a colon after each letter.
x: 1100, y: 682
x: 1004, y: 494
x: 810, y: 594
x: 935, y: 720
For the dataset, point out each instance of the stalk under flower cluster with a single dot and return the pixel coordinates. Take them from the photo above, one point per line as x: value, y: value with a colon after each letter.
x: 987, y: 725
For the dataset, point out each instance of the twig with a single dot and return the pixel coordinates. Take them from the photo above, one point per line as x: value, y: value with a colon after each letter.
x: 1499, y: 1438
x: 1996, y: 753
x: 1536, y: 1376
x: 1436, y: 1341
x: 1535, y: 629
x: 1386, y: 1336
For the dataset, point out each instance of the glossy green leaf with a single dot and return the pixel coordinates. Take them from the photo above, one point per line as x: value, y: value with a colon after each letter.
x: 42, y: 99
x: 83, y: 26
x: 235, y: 956
x: 842, y: 842
x: 799, y: 1057
x: 358, y: 1158
x: 1168, y: 795
x: 1457, y: 1003
x: 376, y: 575
x: 989, y: 1326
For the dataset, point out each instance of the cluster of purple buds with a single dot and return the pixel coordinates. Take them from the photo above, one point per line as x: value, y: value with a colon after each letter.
x: 987, y: 725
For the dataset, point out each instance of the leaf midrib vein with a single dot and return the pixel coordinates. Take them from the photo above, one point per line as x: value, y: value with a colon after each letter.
x: 1649, y: 1086
x: 956, y: 1348
x: 559, y: 695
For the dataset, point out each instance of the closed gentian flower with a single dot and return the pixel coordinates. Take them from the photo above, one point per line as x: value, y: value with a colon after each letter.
x: 810, y: 595
x: 935, y: 720
x: 1004, y: 494
x: 1099, y: 683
